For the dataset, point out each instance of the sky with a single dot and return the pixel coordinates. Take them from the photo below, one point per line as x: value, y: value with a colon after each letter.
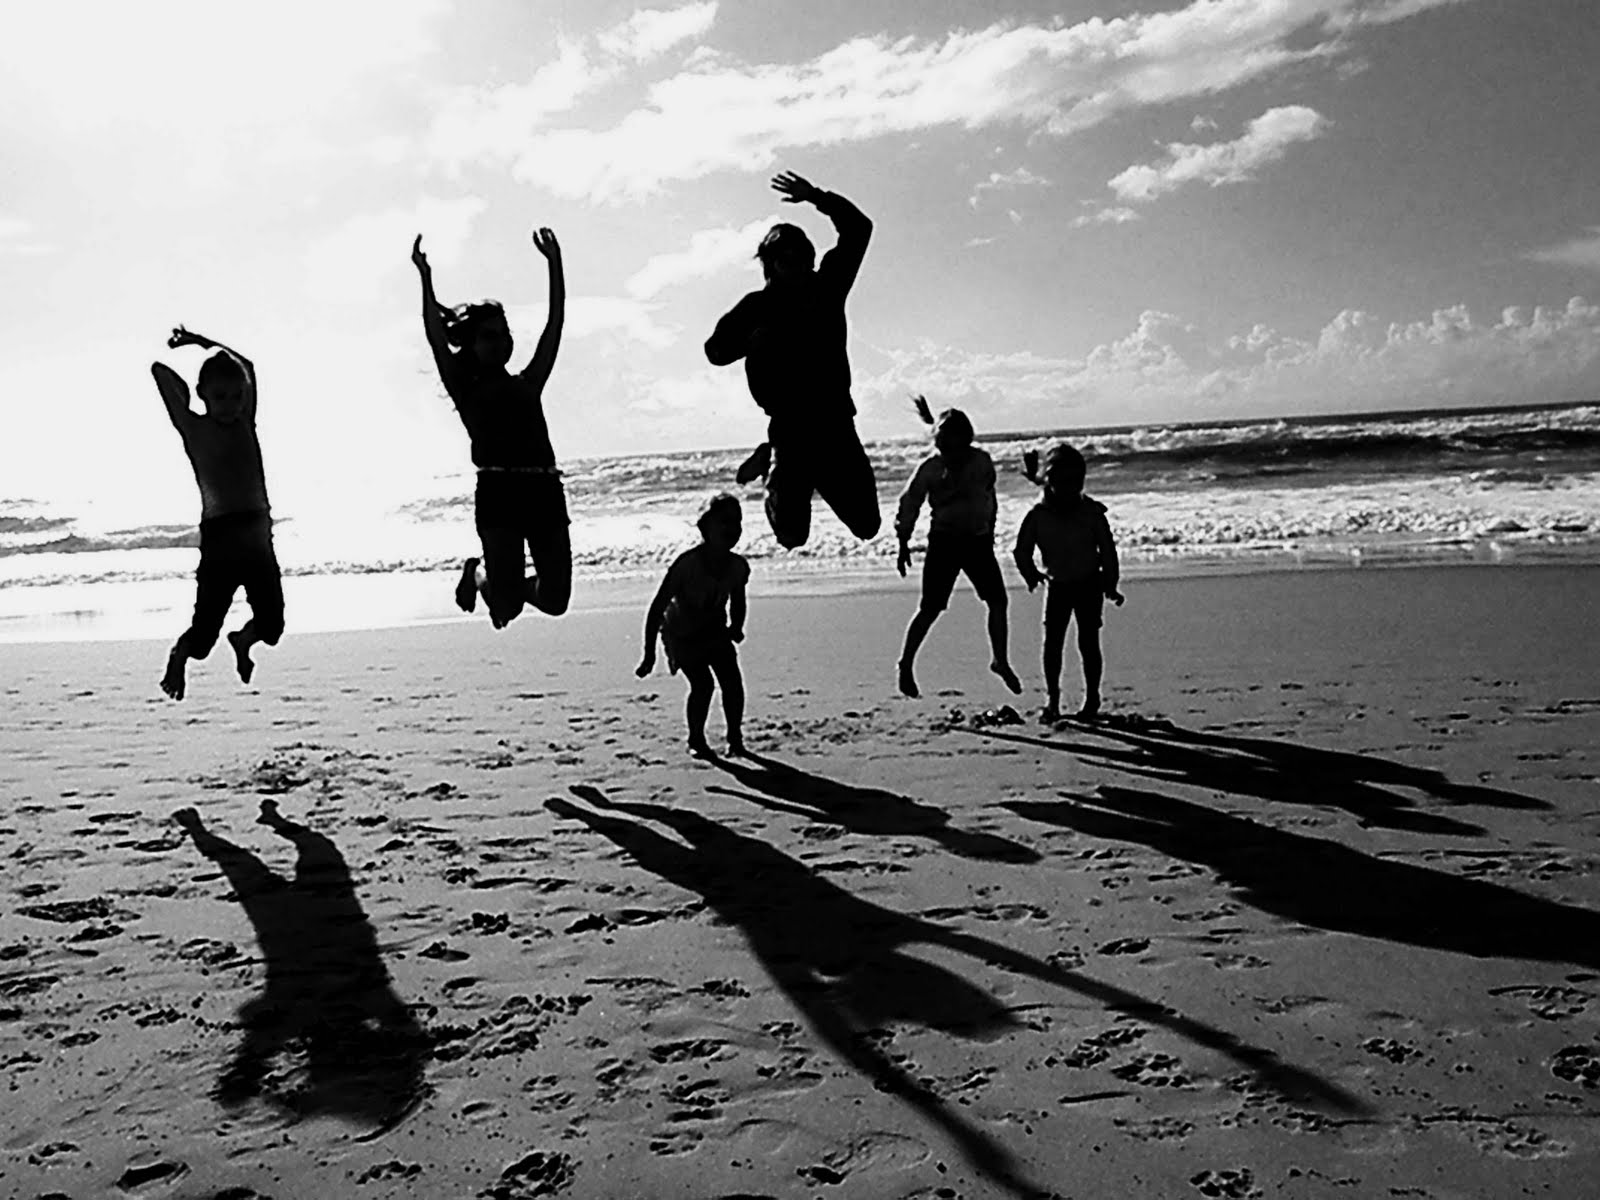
x: 1086, y: 213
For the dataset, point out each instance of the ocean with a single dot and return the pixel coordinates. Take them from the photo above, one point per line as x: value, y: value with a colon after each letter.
x: 1514, y: 484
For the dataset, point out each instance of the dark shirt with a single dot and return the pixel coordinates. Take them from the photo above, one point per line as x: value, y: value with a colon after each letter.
x: 1074, y: 540
x: 792, y: 333
x: 226, y: 457
x: 504, y: 416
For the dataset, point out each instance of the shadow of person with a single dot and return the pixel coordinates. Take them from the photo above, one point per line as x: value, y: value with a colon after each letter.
x: 1319, y: 882
x: 327, y: 1035
x: 842, y: 962
x: 860, y: 809
x: 1282, y: 773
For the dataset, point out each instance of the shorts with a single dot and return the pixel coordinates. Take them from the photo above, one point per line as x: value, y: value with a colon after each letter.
x: 236, y: 551
x: 1084, y: 599
x: 952, y: 554
x: 522, y: 514
x: 698, y: 649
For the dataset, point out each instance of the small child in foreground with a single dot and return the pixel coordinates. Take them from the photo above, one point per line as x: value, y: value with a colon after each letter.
x: 1073, y: 538
x: 699, y: 613
x: 958, y: 483
x: 235, y: 518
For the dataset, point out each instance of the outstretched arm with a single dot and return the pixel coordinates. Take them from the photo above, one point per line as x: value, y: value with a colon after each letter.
x: 905, y: 519
x: 433, y: 315
x: 174, y: 393
x: 183, y: 337
x: 854, y: 227
x: 544, y: 357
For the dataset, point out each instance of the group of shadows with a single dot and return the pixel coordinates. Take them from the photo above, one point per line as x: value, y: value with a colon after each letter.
x: 841, y: 960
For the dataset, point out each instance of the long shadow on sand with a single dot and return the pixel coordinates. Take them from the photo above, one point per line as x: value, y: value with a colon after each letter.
x: 1322, y: 883
x: 873, y: 811
x: 842, y: 962
x: 1284, y: 773
x: 348, y: 1046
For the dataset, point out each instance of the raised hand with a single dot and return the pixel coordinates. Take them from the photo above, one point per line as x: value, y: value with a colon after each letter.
x: 544, y: 241
x: 180, y: 337
x: 920, y: 403
x: 1030, y: 465
x: 418, y: 258
x: 795, y: 188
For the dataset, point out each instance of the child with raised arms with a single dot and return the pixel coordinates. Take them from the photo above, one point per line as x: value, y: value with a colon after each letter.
x: 235, y: 518
x: 958, y: 483
x: 519, y: 500
x: 699, y: 613
x: 1073, y: 537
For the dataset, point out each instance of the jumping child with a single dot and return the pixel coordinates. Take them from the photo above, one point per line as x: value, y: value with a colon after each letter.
x: 958, y: 483
x: 1074, y: 539
x: 699, y: 614
x: 519, y: 498
x: 792, y: 336
x: 235, y: 518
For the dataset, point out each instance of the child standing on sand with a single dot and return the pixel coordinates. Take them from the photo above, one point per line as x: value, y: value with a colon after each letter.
x: 235, y: 518
x: 519, y: 498
x: 958, y: 484
x: 1074, y: 539
x: 699, y: 614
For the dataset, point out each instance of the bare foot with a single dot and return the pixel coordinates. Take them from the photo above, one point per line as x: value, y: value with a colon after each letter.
x: 189, y: 819
x: 736, y: 746
x: 1090, y: 710
x: 172, y: 682
x: 1007, y: 677
x: 1050, y: 714
x: 467, y: 586
x: 700, y: 748
x: 269, y: 813
x: 241, y: 655
x: 908, y: 682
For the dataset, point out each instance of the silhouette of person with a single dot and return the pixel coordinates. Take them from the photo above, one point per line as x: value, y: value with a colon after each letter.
x: 327, y: 990
x: 235, y: 517
x: 1071, y: 534
x: 519, y: 500
x: 698, y: 613
x: 958, y: 484
x: 791, y: 335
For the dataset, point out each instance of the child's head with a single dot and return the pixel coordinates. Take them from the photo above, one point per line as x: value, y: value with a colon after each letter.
x: 480, y: 330
x: 1064, y: 472
x: 221, y: 386
x: 785, y: 252
x: 952, y: 432
x: 721, y: 521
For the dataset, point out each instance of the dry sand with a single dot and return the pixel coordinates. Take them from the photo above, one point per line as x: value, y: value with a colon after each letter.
x: 1319, y: 915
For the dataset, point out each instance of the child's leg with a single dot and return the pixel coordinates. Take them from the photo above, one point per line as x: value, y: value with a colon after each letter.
x: 1056, y: 615
x: 502, y: 575
x: 1093, y: 665
x: 263, y: 588
x: 214, y: 588
x: 789, y: 489
x: 940, y: 566
x: 550, y: 589
x: 846, y: 484
x: 698, y: 706
x: 984, y: 570
x: 725, y: 665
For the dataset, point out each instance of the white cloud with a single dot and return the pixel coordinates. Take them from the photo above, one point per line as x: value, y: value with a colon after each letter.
x: 720, y: 114
x: 1578, y: 252
x: 493, y: 123
x: 1005, y: 181
x: 1167, y: 368
x: 1265, y: 140
x: 626, y: 315
x: 361, y: 260
x: 651, y: 32
x: 1116, y: 215
x: 17, y: 240
x: 709, y: 251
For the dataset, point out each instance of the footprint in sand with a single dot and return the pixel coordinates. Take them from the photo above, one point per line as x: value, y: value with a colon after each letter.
x: 1230, y: 1185
x: 1154, y: 1070
x: 1577, y: 1064
x: 541, y: 1173
x: 139, y: 1176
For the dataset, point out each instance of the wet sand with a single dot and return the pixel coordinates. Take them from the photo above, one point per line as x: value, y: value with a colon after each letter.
x: 1316, y: 913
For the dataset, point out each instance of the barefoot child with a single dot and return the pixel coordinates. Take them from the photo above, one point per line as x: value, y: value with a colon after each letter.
x: 958, y: 483
x: 792, y: 337
x: 519, y: 498
x: 699, y: 612
x: 1080, y: 561
x: 235, y: 519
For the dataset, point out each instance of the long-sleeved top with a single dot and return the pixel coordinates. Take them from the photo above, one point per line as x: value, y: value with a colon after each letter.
x: 792, y: 333
x: 961, y: 496
x: 1074, y: 541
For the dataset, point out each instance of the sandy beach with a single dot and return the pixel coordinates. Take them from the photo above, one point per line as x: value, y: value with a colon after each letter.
x: 1315, y: 913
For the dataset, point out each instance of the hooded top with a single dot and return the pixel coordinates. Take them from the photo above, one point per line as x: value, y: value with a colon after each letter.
x: 1074, y: 541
